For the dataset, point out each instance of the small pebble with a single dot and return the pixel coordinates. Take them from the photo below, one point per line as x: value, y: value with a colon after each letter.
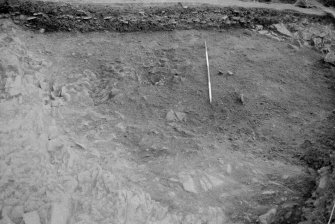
x: 241, y: 98
x: 230, y: 73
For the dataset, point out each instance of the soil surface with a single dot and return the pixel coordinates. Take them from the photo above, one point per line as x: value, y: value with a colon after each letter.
x: 117, y: 128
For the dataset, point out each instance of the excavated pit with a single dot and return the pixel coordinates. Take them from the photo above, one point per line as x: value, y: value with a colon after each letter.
x: 116, y: 127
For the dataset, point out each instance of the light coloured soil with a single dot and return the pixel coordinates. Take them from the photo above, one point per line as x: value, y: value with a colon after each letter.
x: 117, y: 128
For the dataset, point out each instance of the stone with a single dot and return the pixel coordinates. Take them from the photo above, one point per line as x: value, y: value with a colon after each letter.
x: 285, y: 176
x: 229, y: 169
x: 22, y: 17
x: 324, y: 178
x: 31, y: 218
x: 273, y: 36
x: 205, y: 184
x: 31, y: 18
x: 60, y: 211
x: 306, y: 35
x: 63, y: 93
x: 6, y: 220
x: 175, y: 72
x: 17, y: 213
x: 84, y: 176
x: 230, y: 73
x: 268, y: 192
x: 330, y: 58
x: 260, y: 209
x: 87, y: 17
x: 170, y: 116
x: 303, y: 4
x: 289, y: 205
x: 247, y: 32
x: 297, y: 43
x: 243, y: 20
x: 268, y: 217
x: 304, y: 21
x: 56, y: 103
x: 121, y: 126
x: 53, y: 131
x: 114, y: 92
x: 188, y: 183
x: 70, y: 184
x: 14, y: 87
x: 220, y: 73
x: 175, y: 116
x: 177, y: 79
x: 42, y: 30
x: 180, y: 115
x: 241, y: 98
x: 89, y: 74
x: 209, y: 182
x: 263, y: 32
x: 281, y: 28
x: 317, y: 42
x: 293, y: 47
x: 172, y: 21
x: 55, y: 145
x: 258, y: 27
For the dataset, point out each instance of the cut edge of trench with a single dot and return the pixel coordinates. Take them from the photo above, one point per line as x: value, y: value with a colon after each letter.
x: 61, y: 16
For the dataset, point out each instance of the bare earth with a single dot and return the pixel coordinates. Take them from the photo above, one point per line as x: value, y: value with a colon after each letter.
x: 117, y: 128
x: 221, y: 3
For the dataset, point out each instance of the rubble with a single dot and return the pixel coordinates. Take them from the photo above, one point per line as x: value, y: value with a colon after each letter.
x: 155, y: 19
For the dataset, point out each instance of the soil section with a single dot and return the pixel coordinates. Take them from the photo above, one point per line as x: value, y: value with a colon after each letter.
x: 53, y: 16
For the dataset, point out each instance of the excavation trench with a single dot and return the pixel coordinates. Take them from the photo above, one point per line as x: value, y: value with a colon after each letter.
x: 83, y: 17
x: 116, y: 127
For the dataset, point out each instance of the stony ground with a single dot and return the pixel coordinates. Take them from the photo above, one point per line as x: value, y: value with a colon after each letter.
x: 276, y: 4
x: 117, y: 128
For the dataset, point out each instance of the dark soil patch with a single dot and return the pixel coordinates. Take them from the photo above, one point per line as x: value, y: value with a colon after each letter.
x: 68, y: 17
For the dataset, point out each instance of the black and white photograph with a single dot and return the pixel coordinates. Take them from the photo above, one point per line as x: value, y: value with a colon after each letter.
x: 167, y: 111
